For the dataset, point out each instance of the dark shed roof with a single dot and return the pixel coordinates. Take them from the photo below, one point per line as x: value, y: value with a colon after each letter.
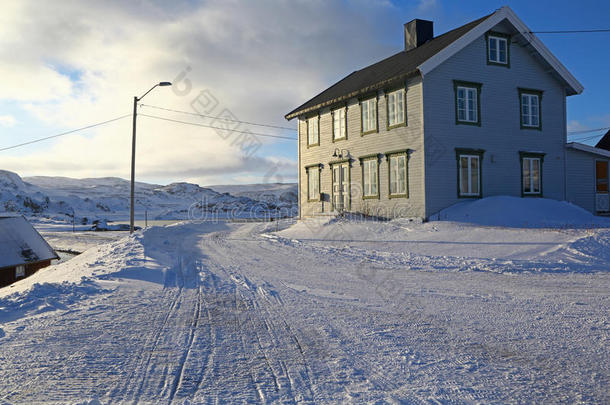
x: 604, y: 143
x: 375, y: 76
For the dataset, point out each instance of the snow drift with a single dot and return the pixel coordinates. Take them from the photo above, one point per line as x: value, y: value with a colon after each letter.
x: 517, y: 212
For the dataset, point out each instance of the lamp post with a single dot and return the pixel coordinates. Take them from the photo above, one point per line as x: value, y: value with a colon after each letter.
x: 133, y: 152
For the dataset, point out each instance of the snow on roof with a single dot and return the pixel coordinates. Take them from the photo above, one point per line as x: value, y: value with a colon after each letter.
x: 20, y: 243
x: 588, y: 148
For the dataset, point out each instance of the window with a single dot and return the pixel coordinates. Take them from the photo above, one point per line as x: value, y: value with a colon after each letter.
x: 20, y: 271
x: 531, y: 173
x: 531, y: 176
x: 397, y: 174
x: 368, y: 110
x: 470, y: 176
x: 339, y: 124
x: 497, y: 49
x: 370, y: 177
x: 529, y: 101
x: 396, y: 108
x: 601, y: 176
x: 467, y: 103
x: 313, y: 131
x: 469, y: 172
x: 313, y: 183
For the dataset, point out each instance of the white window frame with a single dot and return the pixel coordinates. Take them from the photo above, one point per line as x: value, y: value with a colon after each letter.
x: 469, y: 192
x: 368, y: 115
x: 339, y: 123
x: 20, y: 271
x: 370, y: 177
x: 396, y: 101
x: 393, y: 170
x: 526, y: 109
x: 467, y: 104
x: 496, y: 52
x: 313, y: 183
x: 530, y: 162
x: 313, y: 131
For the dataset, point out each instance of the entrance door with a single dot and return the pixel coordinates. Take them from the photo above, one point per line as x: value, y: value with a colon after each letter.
x: 602, y: 198
x: 341, y: 186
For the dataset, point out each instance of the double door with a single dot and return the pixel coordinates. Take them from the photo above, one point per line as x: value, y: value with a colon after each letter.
x: 341, y: 191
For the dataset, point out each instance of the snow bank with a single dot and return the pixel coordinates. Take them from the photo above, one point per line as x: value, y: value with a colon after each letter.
x: 517, y: 212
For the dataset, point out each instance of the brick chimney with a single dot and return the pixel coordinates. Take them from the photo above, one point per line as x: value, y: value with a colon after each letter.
x: 418, y: 32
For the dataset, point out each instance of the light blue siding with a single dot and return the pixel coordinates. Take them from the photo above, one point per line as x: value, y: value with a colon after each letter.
x: 500, y: 134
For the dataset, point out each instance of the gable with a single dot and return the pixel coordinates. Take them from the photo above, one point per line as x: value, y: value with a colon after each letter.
x: 521, y: 34
x: 427, y: 57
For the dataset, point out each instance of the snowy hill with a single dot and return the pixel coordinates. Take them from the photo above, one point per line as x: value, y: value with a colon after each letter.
x: 285, y: 192
x: 108, y: 198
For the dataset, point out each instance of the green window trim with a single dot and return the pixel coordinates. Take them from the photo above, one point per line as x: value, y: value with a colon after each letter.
x: 317, y: 166
x: 459, y: 152
x: 533, y: 92
x: 532, y: 155
x: 360, y: 101
x: 307, y: 130
x: 332, y: 120
x: 497, y: 35
x: 363, y: 159
x: 471, y: 85
x: 345, y: 160
x: 388, y: 156
x: 387, y: 107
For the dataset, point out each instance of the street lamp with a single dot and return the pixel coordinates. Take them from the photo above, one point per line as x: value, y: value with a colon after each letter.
x: 133, y: 152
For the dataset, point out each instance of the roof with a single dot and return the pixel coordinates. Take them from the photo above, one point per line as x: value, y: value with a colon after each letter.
x: 426, y: 57
x: 20, y: 243
x: 587, y: 148
x: 604, y: 143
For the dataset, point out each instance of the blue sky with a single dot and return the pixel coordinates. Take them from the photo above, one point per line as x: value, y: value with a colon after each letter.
x: 68, y: 65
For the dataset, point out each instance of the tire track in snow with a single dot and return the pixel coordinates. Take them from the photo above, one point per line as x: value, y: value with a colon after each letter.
x: 243, y: 285
x: 179, y: 380
x: 143, y: 370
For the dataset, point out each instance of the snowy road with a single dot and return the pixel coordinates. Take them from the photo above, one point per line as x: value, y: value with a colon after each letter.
x: 235, y: 313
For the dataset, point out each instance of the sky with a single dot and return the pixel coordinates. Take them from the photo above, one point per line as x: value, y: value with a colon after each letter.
x: 70, y: 64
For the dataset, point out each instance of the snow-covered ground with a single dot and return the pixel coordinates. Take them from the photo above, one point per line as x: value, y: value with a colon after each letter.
x: 318, y: 311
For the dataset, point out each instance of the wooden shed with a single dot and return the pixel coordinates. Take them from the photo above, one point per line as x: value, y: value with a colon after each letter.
x: 23, y: 251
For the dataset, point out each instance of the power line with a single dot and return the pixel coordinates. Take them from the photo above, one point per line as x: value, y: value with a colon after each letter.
x: 584, y: 139
x: 211, y: 126
x: 218, y: 118
x: 65, y: 133
x: 568, y: 31
x: 586, y: 131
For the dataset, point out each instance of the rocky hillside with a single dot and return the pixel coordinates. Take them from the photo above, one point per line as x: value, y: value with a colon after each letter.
x: 108, y: 198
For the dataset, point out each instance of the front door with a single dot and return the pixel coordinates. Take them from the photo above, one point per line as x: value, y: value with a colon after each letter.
x: 602, y: 198
x: 341, y: 187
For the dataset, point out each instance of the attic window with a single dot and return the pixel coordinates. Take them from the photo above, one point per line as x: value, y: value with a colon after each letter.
x: 497, y: 49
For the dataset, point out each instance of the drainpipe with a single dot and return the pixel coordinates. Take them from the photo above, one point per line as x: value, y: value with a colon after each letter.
x: 299, y: 163
x: 565, y: 149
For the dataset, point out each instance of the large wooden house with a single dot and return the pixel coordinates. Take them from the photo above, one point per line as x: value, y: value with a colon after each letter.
x: 475, y: 112
x: 23, y: 251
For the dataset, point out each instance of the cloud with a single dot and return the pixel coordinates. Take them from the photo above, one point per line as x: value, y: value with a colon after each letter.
x: 7, y: 121
x: 575, y: 125
x: 426, y: 5
x: 71, y: 64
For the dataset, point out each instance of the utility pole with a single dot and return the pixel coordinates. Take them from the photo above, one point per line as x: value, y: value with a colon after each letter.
x: 133, y: 154
x: 133, y: 165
